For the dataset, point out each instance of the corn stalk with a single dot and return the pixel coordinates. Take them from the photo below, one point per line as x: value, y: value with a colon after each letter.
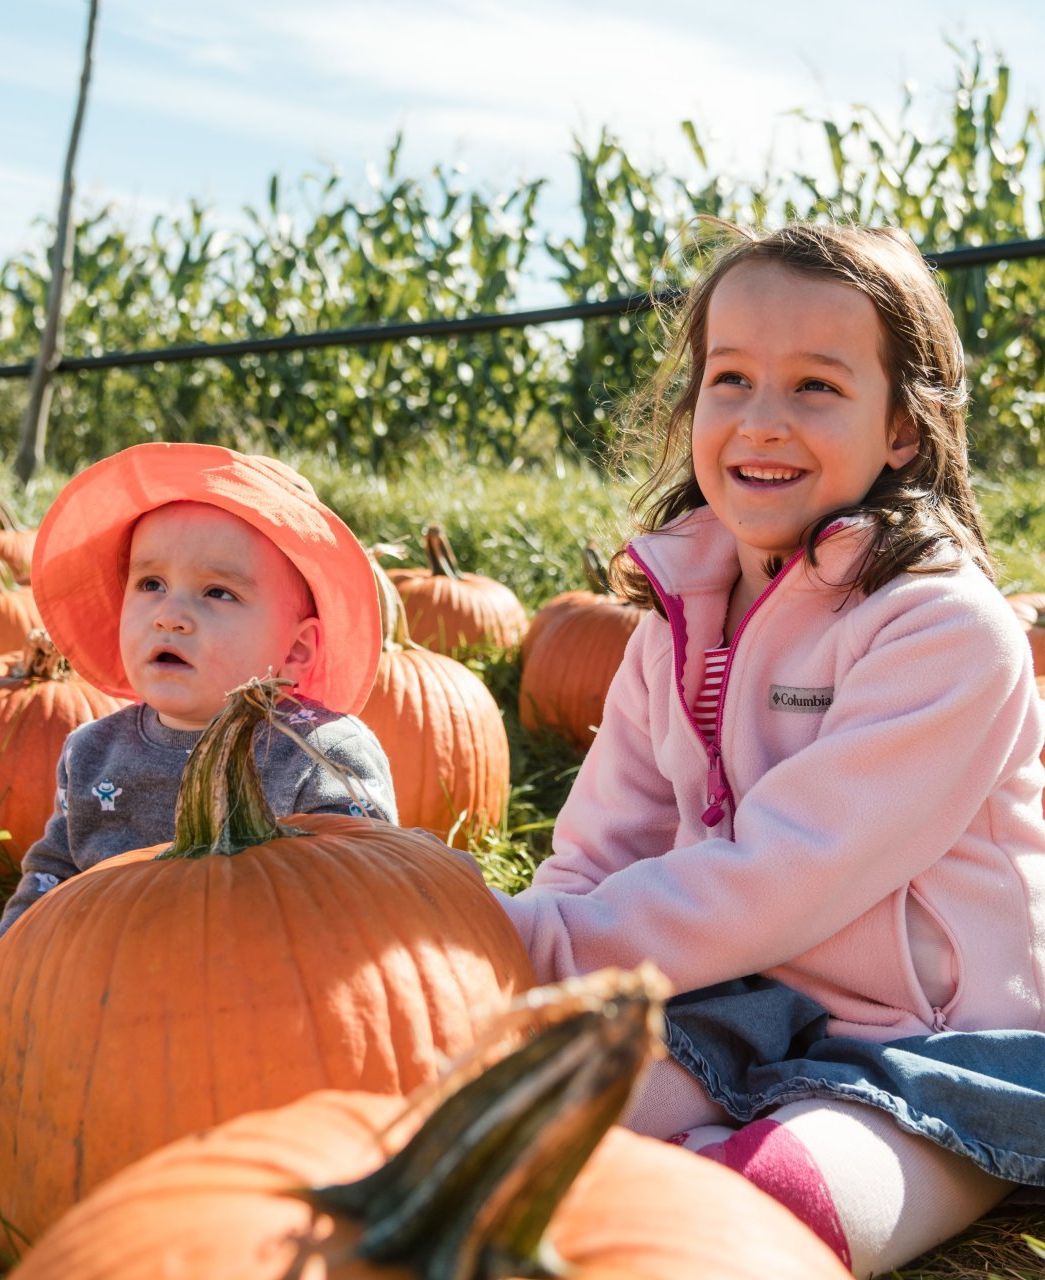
x: 321, y: 255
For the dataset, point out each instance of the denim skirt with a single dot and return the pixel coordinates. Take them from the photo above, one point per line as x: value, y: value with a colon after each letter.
x: 755, y: 1044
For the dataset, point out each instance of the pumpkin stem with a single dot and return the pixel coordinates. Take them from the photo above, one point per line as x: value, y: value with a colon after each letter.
x: 395, y: 634
x: 41, y: 660
x: 221, y: 805
x: 595, y: 570
x: 470, y: 1196
x: 441, y: 558
x: 8, y: 520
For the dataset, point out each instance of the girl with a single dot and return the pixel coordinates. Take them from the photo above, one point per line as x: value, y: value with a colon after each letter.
x: 815, y: 799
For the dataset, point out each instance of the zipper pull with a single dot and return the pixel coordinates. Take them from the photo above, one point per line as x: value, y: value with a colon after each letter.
x: 717, y: 792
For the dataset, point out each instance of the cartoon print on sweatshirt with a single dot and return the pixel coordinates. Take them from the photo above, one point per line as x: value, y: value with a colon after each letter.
x: 107, y: 792
x: 303, y: 715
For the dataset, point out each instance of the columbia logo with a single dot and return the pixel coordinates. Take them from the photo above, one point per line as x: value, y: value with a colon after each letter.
x: 785, y: 697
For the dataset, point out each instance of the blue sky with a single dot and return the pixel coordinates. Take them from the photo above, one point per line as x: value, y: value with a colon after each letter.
x: 207, y: 98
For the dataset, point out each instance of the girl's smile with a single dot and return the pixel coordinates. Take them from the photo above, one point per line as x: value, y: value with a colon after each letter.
x: 793, y: 419
x: 758, y: 476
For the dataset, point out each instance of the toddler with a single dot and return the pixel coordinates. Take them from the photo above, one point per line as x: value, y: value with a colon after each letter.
x: 172, y: 573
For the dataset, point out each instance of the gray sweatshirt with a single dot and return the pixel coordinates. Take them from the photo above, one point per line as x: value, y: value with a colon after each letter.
x: 118, y: 782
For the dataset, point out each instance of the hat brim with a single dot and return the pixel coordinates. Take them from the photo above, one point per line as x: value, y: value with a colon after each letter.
x: 79, y: 559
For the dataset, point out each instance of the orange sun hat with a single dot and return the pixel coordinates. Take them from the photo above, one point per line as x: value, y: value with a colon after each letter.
x: 80, y: 560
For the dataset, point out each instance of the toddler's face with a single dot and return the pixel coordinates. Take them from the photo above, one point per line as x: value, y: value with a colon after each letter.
x: 209, y: 602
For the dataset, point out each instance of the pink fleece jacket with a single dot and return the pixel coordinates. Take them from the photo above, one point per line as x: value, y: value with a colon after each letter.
x: 873, y: 833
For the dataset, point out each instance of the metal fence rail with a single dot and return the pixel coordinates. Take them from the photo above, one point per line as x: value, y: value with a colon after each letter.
x: 365, y: 335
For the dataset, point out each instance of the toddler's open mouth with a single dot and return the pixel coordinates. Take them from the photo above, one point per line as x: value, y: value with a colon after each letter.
x: 169, y: 657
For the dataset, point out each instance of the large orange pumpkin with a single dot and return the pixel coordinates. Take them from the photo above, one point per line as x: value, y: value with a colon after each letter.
x: 480, y: 1180
x: 442, y: 731
x: 449, y: 611
x: 41, y: 701
x: 572, y: 652
x: 163, y: 992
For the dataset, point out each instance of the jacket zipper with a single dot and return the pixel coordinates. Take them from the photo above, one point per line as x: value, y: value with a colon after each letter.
x: 719, y: 792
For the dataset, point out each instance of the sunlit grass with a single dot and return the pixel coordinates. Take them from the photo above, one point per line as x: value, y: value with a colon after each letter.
x: 1005, y: 1245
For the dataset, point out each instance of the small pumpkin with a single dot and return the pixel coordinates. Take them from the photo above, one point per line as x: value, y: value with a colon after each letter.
x: 441, y: 729
x: 449, y: 611
x: 596, y: 593
x: 41, y: 701
x: 16, y: 552
x: 16, y: 546
x: 1029, y: 607
x: 166, y: 990
x: 469, y: 1195
x: 18, y: 616
x: 574, y: 647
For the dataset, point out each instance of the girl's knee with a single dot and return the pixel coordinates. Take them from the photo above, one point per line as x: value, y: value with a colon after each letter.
x: 879, y: 1196
x: 668, y: 1099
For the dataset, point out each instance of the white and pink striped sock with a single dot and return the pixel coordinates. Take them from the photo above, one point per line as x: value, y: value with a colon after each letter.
x: 877, y: 1195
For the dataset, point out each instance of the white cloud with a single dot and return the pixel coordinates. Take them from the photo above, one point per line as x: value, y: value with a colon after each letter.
x: 499, y: 85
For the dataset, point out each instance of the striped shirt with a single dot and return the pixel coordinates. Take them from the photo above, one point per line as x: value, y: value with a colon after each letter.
x: 705, y: 709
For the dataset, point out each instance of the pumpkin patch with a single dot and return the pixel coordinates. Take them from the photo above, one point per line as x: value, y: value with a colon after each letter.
x: 311, y: 980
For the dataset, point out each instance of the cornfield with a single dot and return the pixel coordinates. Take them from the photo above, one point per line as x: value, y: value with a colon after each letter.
x: 414, y: 249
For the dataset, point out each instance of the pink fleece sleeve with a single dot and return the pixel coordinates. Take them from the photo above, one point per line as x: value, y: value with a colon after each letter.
x: 937, y: 706
x: 596, y: 832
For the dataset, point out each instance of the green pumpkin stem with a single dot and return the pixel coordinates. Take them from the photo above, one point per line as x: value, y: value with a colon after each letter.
x: 441, y: 558
x: 395, y: 634
x: 469, y: 1197
x: 595, y: 570
x: 221, y: 805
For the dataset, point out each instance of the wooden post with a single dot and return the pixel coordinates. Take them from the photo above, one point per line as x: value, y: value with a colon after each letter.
x: 33, y: 430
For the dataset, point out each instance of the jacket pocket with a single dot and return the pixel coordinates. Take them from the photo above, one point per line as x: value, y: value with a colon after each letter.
x: 935, y: 956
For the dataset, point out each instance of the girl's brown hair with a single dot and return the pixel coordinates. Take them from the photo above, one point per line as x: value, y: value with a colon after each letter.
x: 917, y: 510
